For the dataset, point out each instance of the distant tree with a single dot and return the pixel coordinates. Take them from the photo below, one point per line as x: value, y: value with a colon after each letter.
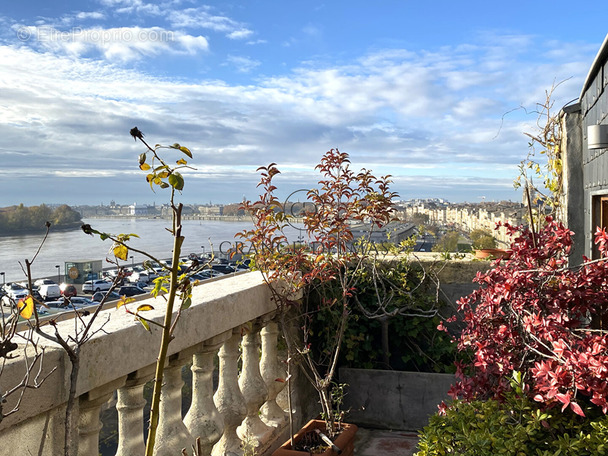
x: 448, y: 242
x: 64, y: 214
x: 482, y: 239
x: 33, y: 219
x: 233, y: 209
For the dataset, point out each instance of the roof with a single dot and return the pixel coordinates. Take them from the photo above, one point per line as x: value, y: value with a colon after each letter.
x: 598, y: 62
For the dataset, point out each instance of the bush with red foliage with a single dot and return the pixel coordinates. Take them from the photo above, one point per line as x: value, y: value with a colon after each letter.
x: 533, y: 314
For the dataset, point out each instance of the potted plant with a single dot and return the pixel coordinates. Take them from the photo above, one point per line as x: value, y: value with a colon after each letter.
x: 323, y: 270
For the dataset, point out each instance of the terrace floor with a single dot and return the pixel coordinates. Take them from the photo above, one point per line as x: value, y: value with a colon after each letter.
x: 375, y: 442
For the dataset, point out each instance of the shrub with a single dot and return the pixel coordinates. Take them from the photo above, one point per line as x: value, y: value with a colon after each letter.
x: 533, y: 313
x: 514, y: 426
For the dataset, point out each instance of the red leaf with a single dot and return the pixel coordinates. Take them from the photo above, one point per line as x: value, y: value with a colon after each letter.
x: 577, y: 409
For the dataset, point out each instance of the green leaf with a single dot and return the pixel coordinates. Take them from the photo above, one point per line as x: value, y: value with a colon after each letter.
x: 177, y: 181
x: 144, y: 323
x: 186, y: 303
x: 142, y: 159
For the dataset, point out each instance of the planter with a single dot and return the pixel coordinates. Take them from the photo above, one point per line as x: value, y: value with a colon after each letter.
x: 492, y: 253
x: 344, y: 441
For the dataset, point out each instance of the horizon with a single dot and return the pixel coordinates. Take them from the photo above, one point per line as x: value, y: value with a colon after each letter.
x: 437, y: 95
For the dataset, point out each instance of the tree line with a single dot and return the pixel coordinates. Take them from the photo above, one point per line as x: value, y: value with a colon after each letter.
x: 18, y: 219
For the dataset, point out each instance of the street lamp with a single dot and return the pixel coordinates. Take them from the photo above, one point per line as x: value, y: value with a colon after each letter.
x: 132, y: 264
x: 203, y: 247
x: 58, y: 274
x: 3, y: 278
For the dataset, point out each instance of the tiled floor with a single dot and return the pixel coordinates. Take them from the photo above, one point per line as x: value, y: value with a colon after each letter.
x: 375, y: 442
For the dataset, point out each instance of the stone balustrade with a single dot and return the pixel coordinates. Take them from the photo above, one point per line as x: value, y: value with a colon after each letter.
x: 230, y: 318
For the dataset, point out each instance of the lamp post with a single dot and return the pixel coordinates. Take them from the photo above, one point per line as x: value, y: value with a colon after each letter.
x: 3, y: 278
x: 132, y: 263
x: 203, y: 247
x: 58, y: 273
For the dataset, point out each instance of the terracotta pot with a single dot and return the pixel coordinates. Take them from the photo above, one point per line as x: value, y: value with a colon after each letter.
x: 345, y: 441
x: 494, y: 253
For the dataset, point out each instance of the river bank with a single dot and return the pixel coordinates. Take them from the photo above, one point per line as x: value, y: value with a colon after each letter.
x: 41, y: 230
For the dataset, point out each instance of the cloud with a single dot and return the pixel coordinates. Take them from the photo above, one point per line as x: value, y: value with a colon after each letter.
x: 243, y: 64
x: 203, y: 18
x: 411, y: 114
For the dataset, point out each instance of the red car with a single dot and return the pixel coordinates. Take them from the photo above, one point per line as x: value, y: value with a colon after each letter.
x: 68, y: 290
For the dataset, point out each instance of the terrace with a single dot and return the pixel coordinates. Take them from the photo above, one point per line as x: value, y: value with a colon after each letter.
x: 232, y: 318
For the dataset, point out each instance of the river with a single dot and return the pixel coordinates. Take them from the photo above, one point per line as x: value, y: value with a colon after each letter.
x: 200, y: 236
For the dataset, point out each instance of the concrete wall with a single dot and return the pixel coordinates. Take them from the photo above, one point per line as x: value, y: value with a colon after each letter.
x: 393, y: 400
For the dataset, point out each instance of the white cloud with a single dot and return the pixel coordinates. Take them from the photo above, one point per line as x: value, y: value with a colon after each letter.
x: 409, y: 114
x: 243, y: 64
x: 240, y: 34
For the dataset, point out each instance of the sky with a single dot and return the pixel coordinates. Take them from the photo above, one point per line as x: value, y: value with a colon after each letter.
x: 436, y: 94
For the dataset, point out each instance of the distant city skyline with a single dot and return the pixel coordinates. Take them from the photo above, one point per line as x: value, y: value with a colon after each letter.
x: 438, y: 94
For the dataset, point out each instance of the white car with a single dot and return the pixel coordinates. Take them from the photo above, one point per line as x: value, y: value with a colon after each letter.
x: 75, y: 301
x: 14, y: 292
x: 49, y: 291
x: 38, y: 283
x: 93, y: 286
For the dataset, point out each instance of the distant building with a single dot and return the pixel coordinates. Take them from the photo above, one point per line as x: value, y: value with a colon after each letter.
x: 394, y: 232
x: 211, y: 210
x: 138, y: 211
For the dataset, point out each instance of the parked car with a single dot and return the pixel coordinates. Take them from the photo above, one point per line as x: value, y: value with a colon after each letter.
x: 69, y: 303
x: 223, y: 268
x: 14, y: 292
x: 98, y: 296
x: 38, y: 283
x: 68, y: 290
x: 49, y: 291
x: 130, y: 290
x: 140, y: 276
x: 206, y: 274
x: 93, y: 286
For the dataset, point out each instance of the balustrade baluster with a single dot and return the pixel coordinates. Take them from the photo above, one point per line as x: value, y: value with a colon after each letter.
x: 130, y: 407
x: 203, y: 419
x: 271, y: 413
x: 89, y: 424
x: 172, y: 434
x: 228, y: 398
x: 253, y: 388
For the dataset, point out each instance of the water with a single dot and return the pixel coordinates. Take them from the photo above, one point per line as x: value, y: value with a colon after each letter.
x: 200, y: 237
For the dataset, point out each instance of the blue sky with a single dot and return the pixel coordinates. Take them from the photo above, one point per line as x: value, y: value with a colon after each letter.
x: 425, y: 91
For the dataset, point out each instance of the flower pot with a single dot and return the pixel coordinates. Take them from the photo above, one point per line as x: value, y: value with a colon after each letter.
x: 493, y: 253
x: 345, y: 440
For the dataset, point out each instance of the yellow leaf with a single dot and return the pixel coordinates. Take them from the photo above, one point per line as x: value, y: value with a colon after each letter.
x: 186, y: 151
x: 26, y: 307
x: 144, y: 167
x: 181, y: 161
x: 124, y: 300
x: 120, y: 251
x: 144, y: 307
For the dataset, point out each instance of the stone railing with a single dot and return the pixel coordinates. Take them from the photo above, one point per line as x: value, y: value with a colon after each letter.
x: 231, y: 317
